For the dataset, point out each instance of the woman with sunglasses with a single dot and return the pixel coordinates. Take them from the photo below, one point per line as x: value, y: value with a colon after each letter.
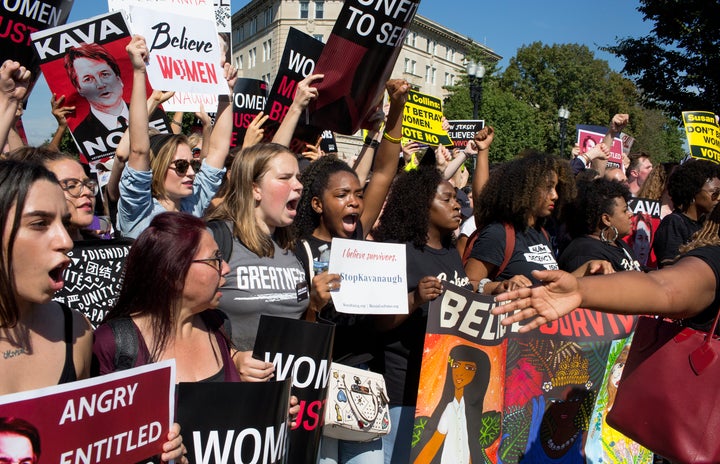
x: 161, y: 173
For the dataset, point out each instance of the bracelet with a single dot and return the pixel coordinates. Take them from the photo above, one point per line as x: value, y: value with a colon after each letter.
x: 179, y: 124
x: 391, y: 139
x: 482, y: 283
x: 372, y: 143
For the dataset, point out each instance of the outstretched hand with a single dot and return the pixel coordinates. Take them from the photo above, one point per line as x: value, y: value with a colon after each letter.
x: 618, y: 123
x: 305, y: 93
x: 14, y: 81
x: 398, y: 90
x: 59, y: 111
x: 557, y: 296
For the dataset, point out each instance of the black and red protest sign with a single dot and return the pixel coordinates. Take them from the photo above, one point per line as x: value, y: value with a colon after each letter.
x: 234, y: 422
x: 461, y: 131
x: 249, y: 99
x: 298, y: 62
x: 357, y: 60
x: 116, y: 418
x: 105, y: 37
x: 20, y: 19
x: 299, y: 350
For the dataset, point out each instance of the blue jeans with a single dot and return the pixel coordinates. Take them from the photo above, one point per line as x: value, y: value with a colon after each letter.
x: 397, y: 443
x: 333, y: 451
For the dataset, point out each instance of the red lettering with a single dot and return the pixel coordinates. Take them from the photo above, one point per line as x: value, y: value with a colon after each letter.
x: 579, y: 322
x: 313, y: 412
x: 595, y: 319
x: 16, y: 32
x: 277, y: 111
x: 565, y: 326
x: 628, y: 322
x: 551, y: 328
x: 287, y: 88
x: 242, y: 120
x: 613, y: 324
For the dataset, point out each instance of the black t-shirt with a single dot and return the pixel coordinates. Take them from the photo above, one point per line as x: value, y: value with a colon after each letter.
x: 583, y: 249
x: 355, y: 336
x: 674, y: 230
x: 711, y: 256
x: 403, y: 345
x: 532, y: 251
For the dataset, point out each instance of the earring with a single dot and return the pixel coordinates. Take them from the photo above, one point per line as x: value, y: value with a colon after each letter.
x: 605, y: 239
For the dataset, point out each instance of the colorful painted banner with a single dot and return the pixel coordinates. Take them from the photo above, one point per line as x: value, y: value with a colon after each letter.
x: 703, y: 134
x: 589, y: 136
x: 422, y: 120
x: 462, y: 131
x: 489, y: 394
x: 234, y: 422
x: 116, y: 418
x: 300, y: 350
x: 86, y: 61
x: 357, y: 61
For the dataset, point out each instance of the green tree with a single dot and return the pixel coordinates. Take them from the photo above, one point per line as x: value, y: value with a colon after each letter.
x: 677, y: 65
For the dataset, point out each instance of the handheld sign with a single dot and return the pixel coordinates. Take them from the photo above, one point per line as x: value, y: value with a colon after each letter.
x: 422, y: 120
x: 464, y: 130
x: 703, y: 134
x: 589, y: 136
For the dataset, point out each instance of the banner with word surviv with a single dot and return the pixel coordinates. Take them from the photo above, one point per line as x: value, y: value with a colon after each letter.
x: 357, y: 60
x: 299, y: 350
x: 298, y: 62
x: 463, y: 130
x: 490, y: 394
x: 589, y: 136
x: 422, y: 120
x: 234, y: 422
x: 94, y: 277
x: 86, y: 61
x: 703, y: 134
x: 19, y: 19
x: 115, y: 418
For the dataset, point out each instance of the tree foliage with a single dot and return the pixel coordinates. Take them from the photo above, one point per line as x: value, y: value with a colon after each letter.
x: 677, y: 65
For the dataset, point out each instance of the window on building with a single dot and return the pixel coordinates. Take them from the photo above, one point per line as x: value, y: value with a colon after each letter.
x: 239, y: 61
x: 253, y: 26
x: 252, y: 56
x: 319, y: 9
x: 266, y: 78
x: 433, y: 74
x: 407, y: 65
x: 267, y: 50
x: 268, y: 16
x: 304, y: 8
x: 447, y: 79
x: 412, y: 67
x: 318, y: 37
x: 450, y: 54
x: 427, y: 74
x: 431, y: 46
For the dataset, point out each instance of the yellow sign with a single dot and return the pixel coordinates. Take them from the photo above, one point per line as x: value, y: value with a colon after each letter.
x: 422, y: 120
x: 703, y: 134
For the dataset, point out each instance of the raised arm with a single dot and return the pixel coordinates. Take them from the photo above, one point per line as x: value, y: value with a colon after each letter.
x: 481, y: 146
x: 304, y: 94
x: 219, y: 143
x: 617, y: 124
x: 14, y: 81
x: 139, y: 157
x: 60, y: 113
x: 207, y: 128
x: 386, y: 157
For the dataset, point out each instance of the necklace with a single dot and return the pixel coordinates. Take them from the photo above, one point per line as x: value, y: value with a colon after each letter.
x: 555, y: 447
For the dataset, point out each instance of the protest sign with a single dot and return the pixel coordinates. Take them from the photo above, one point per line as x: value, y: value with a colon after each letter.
x: 703, y: 134
x: 184, y: 50
x: 366, y: 265
x: 116, y: 418
x: 357, y: 61
x: 589, y: 136
x: 463, y: 130
x: 299, y: 350
x: 86, y: 61
x: 249, y: 99
x: 94, y: 277
x: 422, y: 120
x: 328, y: 143
x: 19, y: 19
x: 234, y: 422
x: 298, y: 61
x: 527, y: 397
x: 645, y: 221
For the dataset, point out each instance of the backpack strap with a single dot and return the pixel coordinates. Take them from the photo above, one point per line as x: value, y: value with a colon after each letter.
x: 311, y: 269
x: 469, y: 246
x: 509, y: 247
x: 223, y: 236
x: 126, y: 342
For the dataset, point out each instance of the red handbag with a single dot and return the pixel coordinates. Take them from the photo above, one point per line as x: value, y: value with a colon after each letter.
x: 667, y: 399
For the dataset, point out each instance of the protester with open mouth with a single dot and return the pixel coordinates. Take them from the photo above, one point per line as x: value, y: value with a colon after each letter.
x: 161, y: 173
x: 335, y: 204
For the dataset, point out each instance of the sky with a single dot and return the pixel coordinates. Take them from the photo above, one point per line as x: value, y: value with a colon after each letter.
x: 503, y: 26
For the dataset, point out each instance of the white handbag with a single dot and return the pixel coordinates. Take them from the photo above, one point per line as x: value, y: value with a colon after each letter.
x: 357, y: 406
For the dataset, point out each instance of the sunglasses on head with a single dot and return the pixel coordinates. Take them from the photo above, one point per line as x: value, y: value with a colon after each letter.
x: 181, y: 166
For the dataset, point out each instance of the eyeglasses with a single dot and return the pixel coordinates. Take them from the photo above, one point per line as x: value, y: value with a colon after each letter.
x: 75, y: 186
x: 215, y: 263
x: 181, y: 166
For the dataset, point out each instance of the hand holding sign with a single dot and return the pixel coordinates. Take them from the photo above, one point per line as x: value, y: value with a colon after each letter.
x: 138, y: 52
x: 230, y: 74
x: 305, y: 93
x: 255, y: 133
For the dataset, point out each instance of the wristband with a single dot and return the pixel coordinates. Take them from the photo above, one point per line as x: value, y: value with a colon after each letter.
x: 179, y: 124
x: 370, y: 142
x: 482, y: 283
x: 391, y: 139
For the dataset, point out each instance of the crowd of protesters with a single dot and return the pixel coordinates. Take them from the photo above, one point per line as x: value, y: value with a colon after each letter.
x: 180, y: 196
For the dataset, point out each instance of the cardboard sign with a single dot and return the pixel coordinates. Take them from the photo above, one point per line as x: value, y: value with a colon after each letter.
x: 357, y: 61
x: 369, y: 269
x: 96, y: 131
x: 19, y: 19
x: 116, y: 418
x: 249, y: 99
x: 464, y: 130
x: 525, y: 397
x: 589, y: 136
x: 645, y: 221
x: 234, y: 422
x: 94, y: 277
x: 703, y: 134
x: 298, y: 61
x: 300, y: 351
x: 422, y: 120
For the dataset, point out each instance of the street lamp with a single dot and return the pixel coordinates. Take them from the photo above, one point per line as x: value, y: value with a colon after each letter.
x: 475, y: 72
x: 563, y: 116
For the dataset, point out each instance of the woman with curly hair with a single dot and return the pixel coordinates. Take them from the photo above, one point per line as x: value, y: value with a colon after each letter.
x: 422, y: 212
x: 597, y: 221
x: 695, y: 190
x: 514, y: 204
